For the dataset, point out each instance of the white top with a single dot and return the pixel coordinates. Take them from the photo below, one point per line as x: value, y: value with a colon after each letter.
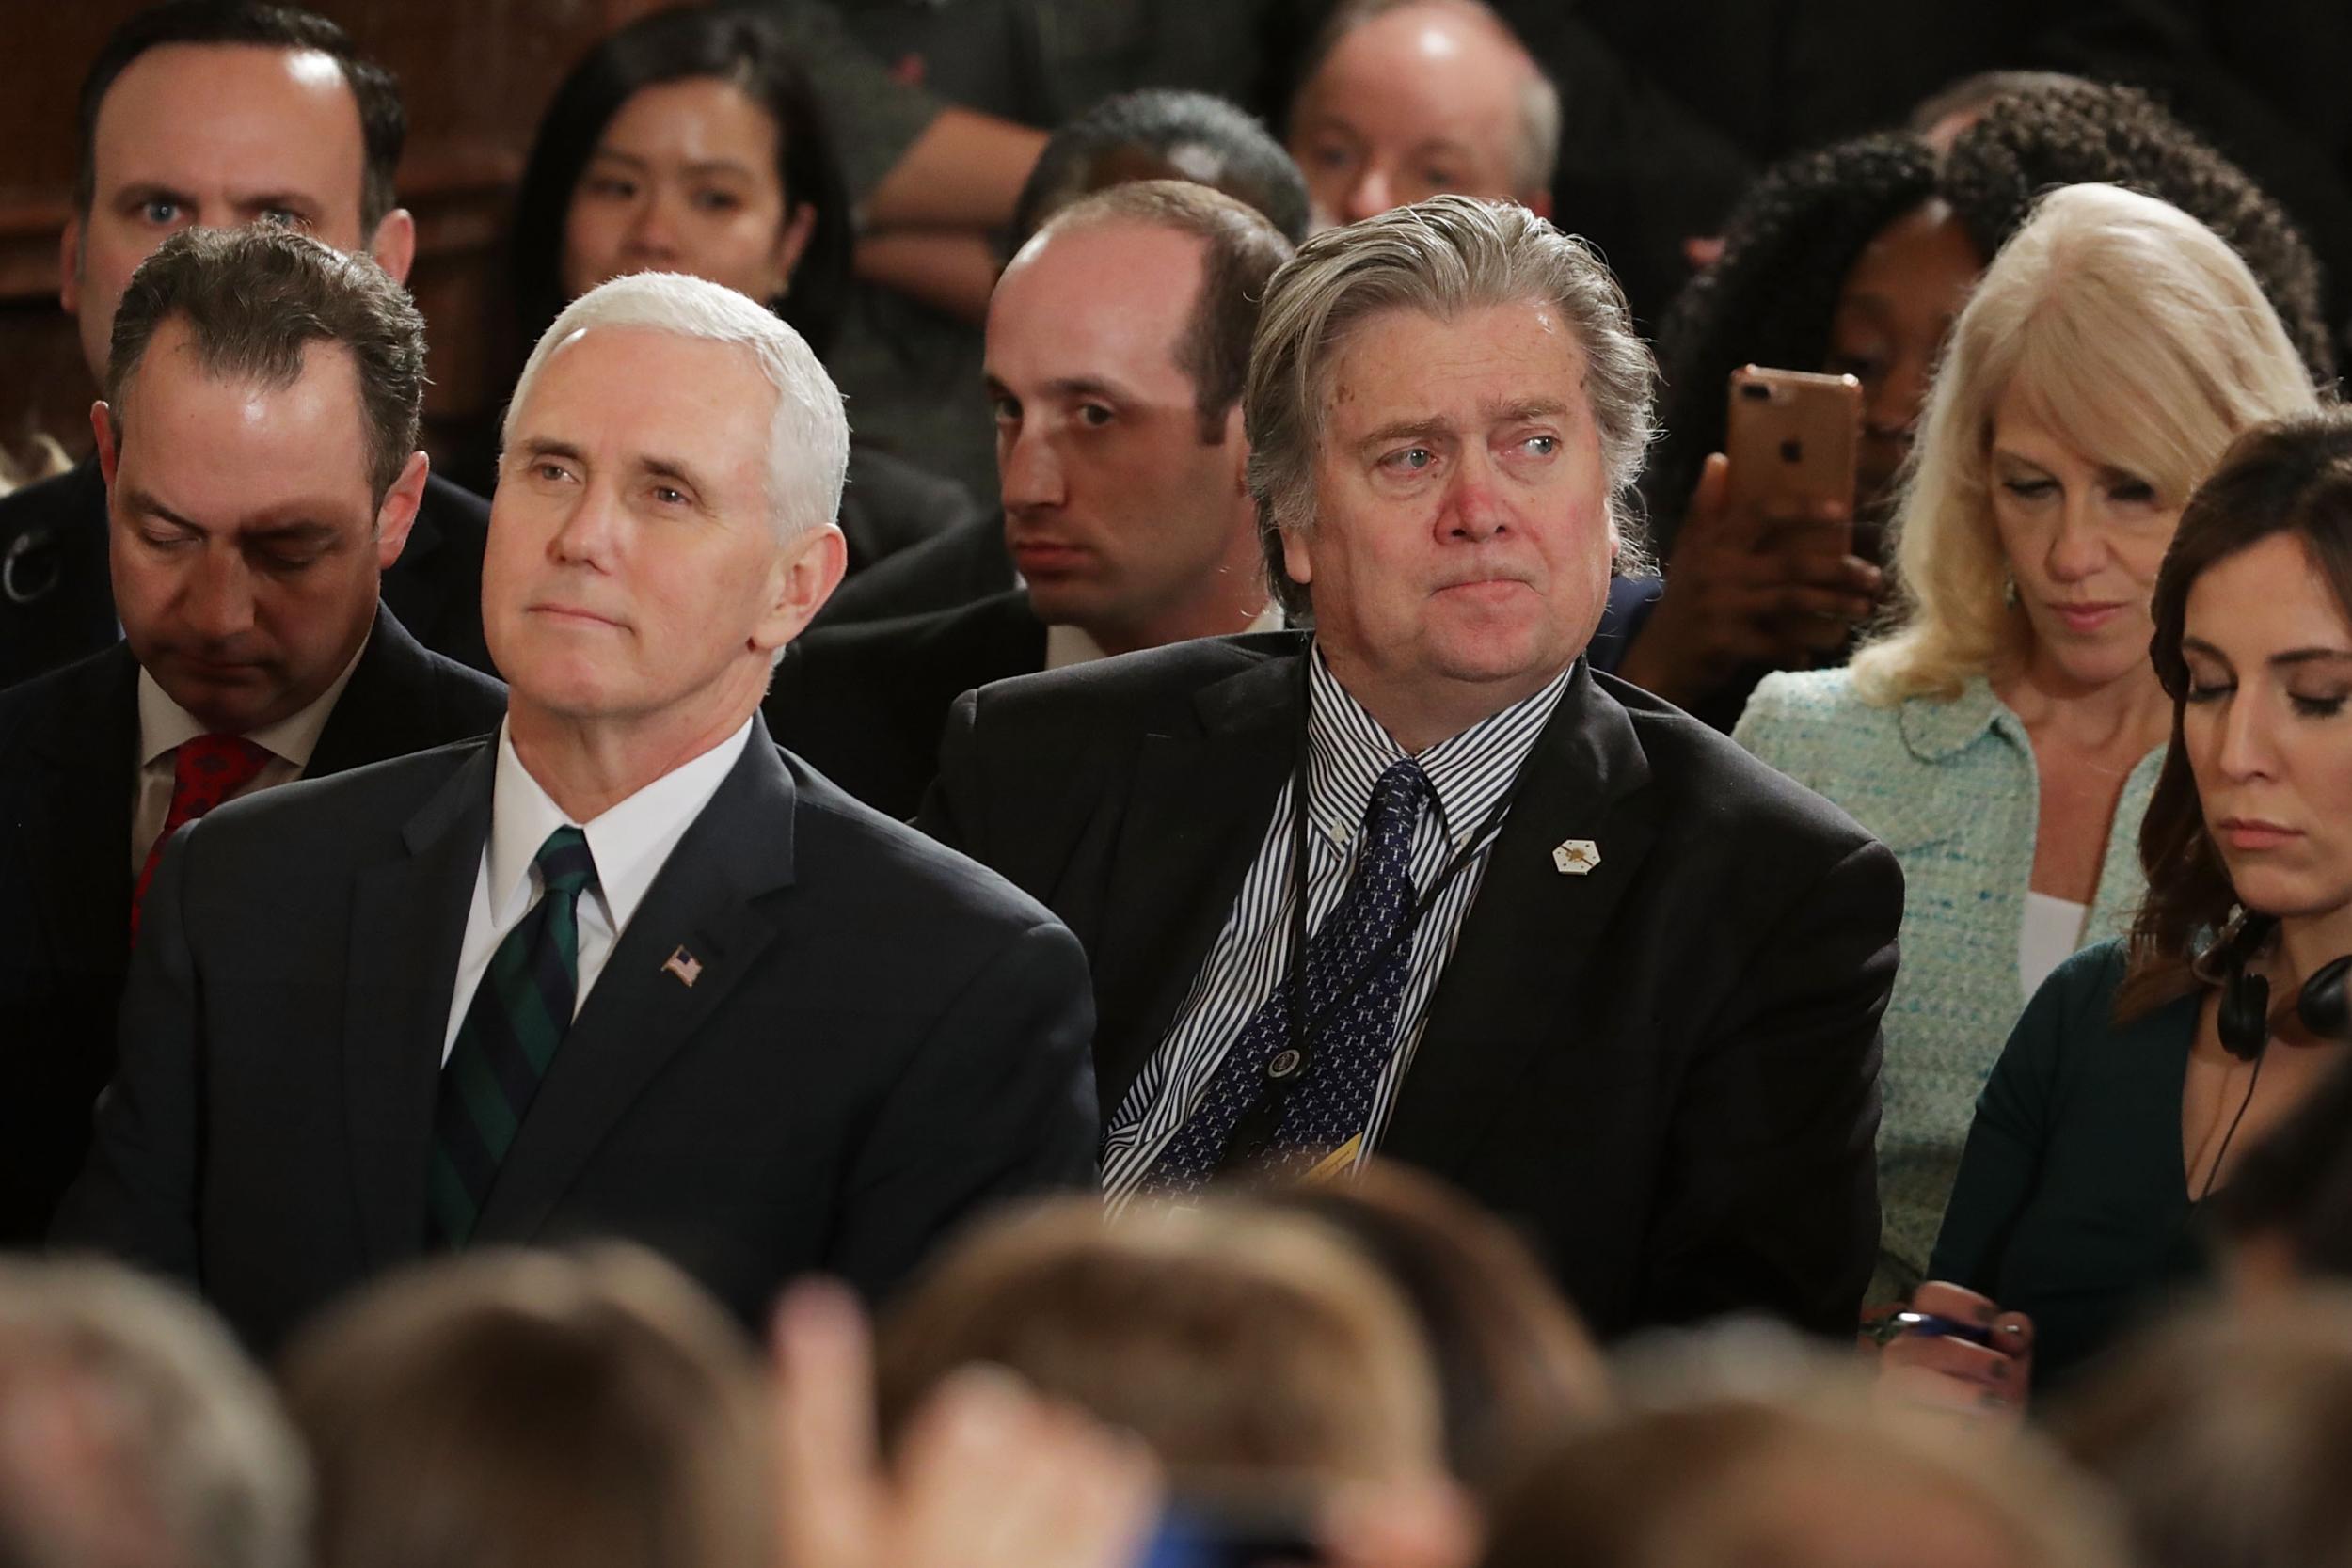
x: 164, y: 725
x: 2051, y: 931
x: 1068, y: 645
x: 630, y: 843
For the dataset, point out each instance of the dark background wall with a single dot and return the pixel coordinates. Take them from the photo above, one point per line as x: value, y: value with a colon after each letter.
x: 475, y: 73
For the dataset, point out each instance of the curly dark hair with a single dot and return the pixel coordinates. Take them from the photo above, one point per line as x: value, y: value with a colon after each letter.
x: 1770, y: 298
x: 2086, y: 131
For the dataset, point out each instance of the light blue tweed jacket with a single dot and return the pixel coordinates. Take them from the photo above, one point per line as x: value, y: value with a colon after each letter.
x: 1950, y: 788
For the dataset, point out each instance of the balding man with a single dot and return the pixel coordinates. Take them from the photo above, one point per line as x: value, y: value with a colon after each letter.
x: 625, y: 969
x: 1409, y: 99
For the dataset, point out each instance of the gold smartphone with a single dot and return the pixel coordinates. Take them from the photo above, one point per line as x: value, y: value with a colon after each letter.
x: 1791, y: 438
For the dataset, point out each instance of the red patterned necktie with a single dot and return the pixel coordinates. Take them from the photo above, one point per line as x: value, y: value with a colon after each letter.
x: 205, y: 771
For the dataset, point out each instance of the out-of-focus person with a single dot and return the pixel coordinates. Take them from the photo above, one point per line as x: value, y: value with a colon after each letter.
x: 258, y: 448
x: 134, y: 1433
x: 2219, y: 1434
x: 2003, y: 734
x: 2143, y: 1072
x: 1403, y: 99
x: 625, y: 969
x: 214, y: 114
x: 1418, y: 882
x: 2286, y: 1216
x: 691, y: 141
x: 1855, y: 260
x: 1515, y: 1367
x: 1152, y: 133
x: 1117, y: 344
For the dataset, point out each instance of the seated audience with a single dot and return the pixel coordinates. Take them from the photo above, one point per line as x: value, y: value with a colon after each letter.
x: 257, y: 449
x: 2002, y: 737
x: 1272, y: 1372
x: 1514, y: 1366
x: 132, y: 1431
x: 1793, y: 1465
x: 689, y: 141
x: 626, y: 970
x: 1151, y: 134
x: 1855, y: 260
x: 2142, y: 1073
x: 212, y: 114
x: 2221, y: 1436
x: 1588, y: 926
x: 1402, y: 99
x: 520, y: 1409
x: 1116, y: 348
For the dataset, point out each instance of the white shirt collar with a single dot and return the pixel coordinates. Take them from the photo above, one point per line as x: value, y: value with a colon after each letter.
x: 630, y: 842
x: 1067, y: 645
x: 164, y: 725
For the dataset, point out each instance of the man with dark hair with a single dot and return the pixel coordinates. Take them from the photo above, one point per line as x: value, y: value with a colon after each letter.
x: 1422, y: 884
x: 1154, y: 134
x: 211, y: 114
x: 1118, y: 340
x: 257, y: 447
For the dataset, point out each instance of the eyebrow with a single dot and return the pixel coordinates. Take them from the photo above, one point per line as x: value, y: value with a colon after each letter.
x: 704, y: 166
x: 1509, y: 413
x: 138, y: 193
x: 2291, y: 658
x: 300, y: 530
x: 673, y: 467
x: 542, y: 446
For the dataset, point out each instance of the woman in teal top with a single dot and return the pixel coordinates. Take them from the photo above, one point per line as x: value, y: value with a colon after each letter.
x: 2002, y: 736
x: 2118, y: 1103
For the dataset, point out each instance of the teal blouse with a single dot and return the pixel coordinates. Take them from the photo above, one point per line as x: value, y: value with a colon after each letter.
x: 1950, y: 787
x: 2073, y: 1198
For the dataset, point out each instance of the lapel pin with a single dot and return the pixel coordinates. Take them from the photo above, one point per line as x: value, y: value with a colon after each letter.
x: 687, y: 967
x: 1576, y: 857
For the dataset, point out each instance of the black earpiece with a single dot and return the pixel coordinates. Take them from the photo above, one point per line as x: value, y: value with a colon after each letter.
x: 2322, y: 1007
x: 2243, y: 1019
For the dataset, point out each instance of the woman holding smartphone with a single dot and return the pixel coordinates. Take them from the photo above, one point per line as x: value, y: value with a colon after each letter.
x: 2143, y: 1072
x: 2002, y: 734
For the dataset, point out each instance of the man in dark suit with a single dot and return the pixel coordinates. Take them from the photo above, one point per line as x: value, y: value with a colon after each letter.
x: 627, y: 970
x: 214, y: 113
x: 1117, y: 340
x: 1570, y: 949
x: 257, y: 437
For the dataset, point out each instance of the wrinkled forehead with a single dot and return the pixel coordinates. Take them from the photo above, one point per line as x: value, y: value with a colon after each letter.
x: 1407, y: 362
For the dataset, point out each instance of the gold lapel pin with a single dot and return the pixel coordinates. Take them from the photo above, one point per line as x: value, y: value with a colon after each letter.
x: 684, y: 965
x: 1576, y: 857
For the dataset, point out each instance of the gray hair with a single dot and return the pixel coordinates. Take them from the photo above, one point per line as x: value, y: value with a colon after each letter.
x: 1441, y: 257
x: 1537, y: 154
x: 808, y: 437
x: 255, y: 300
x: 196, y: 1462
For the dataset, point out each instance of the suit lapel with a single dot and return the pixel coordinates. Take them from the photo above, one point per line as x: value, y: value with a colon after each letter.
x: 407, y: 926
x: 80, y: 846
x: 641, y: 1011
x: 1195, y: 820
x: 1525, y: 947
x: 382, y: 711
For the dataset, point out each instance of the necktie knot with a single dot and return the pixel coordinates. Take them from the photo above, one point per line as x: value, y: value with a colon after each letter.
x: 1397, y: 796
x: 566, y: 866
x: 212, y: 768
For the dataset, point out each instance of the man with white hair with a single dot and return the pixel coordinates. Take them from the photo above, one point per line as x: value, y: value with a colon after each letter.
x: 626, y: 969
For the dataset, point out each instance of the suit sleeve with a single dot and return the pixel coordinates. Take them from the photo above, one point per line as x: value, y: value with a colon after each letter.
x: 1770, y: 1185
x: 135, y: 1197
x: 998, y: 1101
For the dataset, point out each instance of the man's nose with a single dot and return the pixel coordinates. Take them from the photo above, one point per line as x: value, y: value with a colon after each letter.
x: 1369, y: 195
x: 1475, y: 511
x: 218, y: 602
x: 590, y: 532
x: 1029, y: 471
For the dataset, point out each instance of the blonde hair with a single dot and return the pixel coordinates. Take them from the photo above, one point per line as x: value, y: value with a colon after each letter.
x: 2139, y: 339
x: 1235, y: 1341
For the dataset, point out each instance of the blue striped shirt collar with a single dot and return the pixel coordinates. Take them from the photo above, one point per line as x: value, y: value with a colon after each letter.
x: 1347, y: 751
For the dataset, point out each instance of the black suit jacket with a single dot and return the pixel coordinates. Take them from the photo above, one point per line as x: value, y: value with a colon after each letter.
x: 1666, y: 1069
x: 57, y: 589
x: 881, y: 1038
x: 865, y: 702
x: 69, y: 755
x: 967, y: 561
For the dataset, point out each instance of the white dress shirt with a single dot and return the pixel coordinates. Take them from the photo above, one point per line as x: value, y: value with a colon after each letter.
x: 630, y: 842
x: 1068, y: 645
x: 164, y: 725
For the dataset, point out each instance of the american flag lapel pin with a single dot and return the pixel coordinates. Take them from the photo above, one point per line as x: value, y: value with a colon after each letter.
x: 684, y: 965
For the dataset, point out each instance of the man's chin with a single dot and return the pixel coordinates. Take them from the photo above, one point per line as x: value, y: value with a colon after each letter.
x: 227, y: 698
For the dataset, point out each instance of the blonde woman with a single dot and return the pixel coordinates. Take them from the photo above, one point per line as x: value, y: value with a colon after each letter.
x: 2002, y: 734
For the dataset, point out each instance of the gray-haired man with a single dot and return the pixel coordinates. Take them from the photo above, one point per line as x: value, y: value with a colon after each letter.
x: 626, y: 970
x: 1561, y: 944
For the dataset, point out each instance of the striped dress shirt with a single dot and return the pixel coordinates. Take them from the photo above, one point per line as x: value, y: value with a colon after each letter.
x: 1346, y: 752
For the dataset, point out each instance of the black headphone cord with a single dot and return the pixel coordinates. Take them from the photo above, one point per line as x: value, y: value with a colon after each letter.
x: 2214, y: 1174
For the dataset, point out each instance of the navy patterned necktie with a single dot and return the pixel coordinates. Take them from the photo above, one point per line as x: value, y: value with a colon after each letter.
x: 519, y: 1014
x: 1360, y: 958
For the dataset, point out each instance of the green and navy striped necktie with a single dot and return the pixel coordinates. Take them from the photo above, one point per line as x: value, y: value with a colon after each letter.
x: 518, y: 1016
